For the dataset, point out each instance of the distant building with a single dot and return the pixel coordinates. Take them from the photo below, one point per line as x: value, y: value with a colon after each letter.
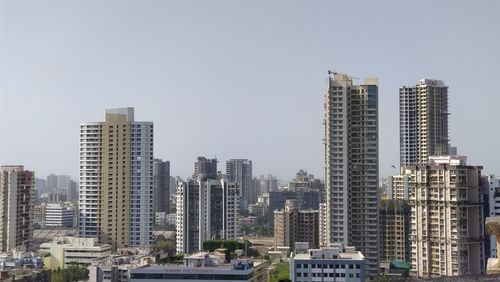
x: 58, y: 215
x: 116, y: 180
x: 17, y: 199
x: 40, y: 187
x: 268, y: 183
x: 163, y: 218
x: 306, y: 199
x: 292, y: 225
x: 206, y: 209
x: 240, y: 171
x: 39, y: 214
x: 394, y: 230
x: 336, y: 263
x: 63, y: 184
x: 52, y: 182
x: 203, y: 267
x: 323, y: 242
x: 72, y: 194
x: 205, y: 168
x: 258, y: 209
x: 263, y: 199
x: 173, y: 186
x: 303, y: 180
x: 161, y: 185
x: 423, y: 121
x: 447, y: 221
x: 257, y: 187
x: 66, y: 250
x: 490, y: 187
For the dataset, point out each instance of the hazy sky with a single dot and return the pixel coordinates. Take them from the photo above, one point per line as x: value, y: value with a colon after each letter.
x: 238, y: 79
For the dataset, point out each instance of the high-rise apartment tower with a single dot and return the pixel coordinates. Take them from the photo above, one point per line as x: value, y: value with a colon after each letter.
x: 240, y: 171
x: 447, y: 220
x: 206, y: 210
x: 161, y: 175
x: 205, y: 168
x: 17, y: 199
x: 423, y: 121
x: 116, y: 179
x: 351, y: 171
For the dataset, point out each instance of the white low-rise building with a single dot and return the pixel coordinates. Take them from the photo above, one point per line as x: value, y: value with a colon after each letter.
x: 203, y: 267
x: 58, y: 215
x: 336, y: 263
x: 72, y: 250
x: 163, y: 218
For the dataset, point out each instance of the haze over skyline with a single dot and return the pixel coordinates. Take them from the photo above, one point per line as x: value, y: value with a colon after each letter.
x: 237, y: 79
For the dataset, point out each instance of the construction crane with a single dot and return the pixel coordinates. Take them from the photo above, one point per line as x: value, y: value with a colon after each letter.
x: 335, y: 73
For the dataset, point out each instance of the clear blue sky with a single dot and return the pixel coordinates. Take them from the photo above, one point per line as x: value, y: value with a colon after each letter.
x: 238, y: 79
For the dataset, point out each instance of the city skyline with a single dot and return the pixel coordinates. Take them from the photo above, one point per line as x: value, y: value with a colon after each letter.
x: 269, y: 76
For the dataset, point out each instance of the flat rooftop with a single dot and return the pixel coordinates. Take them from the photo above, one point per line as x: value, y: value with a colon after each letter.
x: 344, y: 256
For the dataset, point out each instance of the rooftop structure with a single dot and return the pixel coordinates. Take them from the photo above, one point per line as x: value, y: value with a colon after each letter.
x: 203, y: 267
x: 334, y: 263
x: 117, y: 268
x: 73, y: 250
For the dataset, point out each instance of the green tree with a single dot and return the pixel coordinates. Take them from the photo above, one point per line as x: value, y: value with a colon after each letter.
x: 383, y: 277
x: 71, y: 273
x: 282, y: 273
x: 167, y: 246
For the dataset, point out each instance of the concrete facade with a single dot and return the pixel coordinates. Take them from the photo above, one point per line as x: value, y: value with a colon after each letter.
x: 336, y: 264
x: 292, y: 225
x: 17, y: 199
x: 72, y: 250
x: 116, y: 179
x: 447, y: 221
x: 161, y: 185
x: 58, y: 215
x: 351, y: 166
x: 490, y: 186
x: 240, y: 171
x: 206, y: 209
x: 423, y: 121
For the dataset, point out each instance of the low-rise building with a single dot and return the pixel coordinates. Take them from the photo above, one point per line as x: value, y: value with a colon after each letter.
x: 117, y: 268
x: 72, y: 250
x: 258, y: 209
x: 203, y: 267
x: 58, y: 215
x: 23, y: 266
x: 336, y: 263
x: 26, y: 275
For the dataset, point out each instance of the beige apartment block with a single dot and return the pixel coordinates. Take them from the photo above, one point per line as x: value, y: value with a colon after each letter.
x: 447, y: 222
x: 292, y: 225
x: 116, y: 180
